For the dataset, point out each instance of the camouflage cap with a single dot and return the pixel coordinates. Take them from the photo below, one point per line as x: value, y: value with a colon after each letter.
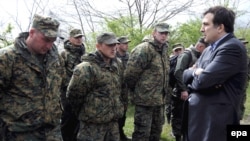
x: 75, y: 33
x: 177, y: 46
x: 162, y: 27
x: 123, y: 40
x: 243, y: 40
x: 107, y: 38
x: 47, y: 25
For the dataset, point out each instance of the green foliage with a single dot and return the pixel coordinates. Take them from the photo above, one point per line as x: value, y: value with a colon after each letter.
x: 244, y: 33
x: 127, y: 26
x: 187, y: 33
x: 4, y: 36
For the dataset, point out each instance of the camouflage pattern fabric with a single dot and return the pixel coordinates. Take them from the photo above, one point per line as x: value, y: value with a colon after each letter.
x: 99, y: 132
x: 30, y: 90
x: 147, y: 129
x: 72, y: 57
x: 147, y: 77
x: 94, y: 91
x: 147, y: 74
x: 46, y: 25
x: 125, y: 92
x: 46, y: 133
x: 75, y: 33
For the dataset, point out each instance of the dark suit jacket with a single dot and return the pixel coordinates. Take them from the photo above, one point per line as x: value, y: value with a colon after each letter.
x: 215, y: 94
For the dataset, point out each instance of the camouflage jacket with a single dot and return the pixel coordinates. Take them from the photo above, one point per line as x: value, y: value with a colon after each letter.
x: 147, y: 74
x: 72, y: 57
x: 30, y: 90
x: 94, y: 91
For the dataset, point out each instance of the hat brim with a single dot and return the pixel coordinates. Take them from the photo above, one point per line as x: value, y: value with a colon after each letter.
x: 111, y: 41
x: 177, y: 48
x: 124, y: 42
x: 78, y: 35
x: 50, y: 34
x: 162, y: 29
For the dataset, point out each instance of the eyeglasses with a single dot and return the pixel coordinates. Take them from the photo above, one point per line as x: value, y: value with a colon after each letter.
x: 111, y: 45
x: 166, y: 33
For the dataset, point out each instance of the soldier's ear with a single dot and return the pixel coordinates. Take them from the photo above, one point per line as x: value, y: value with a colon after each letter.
x: 98, y: 46
x: 32, y: 32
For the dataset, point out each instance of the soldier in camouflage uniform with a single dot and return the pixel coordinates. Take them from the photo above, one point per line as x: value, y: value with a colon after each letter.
x: 31, y: 76
x: 94, y: 92
x: 74, y: 49
x: 146, y: 75
x: 122, y: 53
x: 243, y: 101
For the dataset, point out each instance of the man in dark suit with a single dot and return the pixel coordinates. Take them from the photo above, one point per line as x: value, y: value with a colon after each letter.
x: 217, y: 81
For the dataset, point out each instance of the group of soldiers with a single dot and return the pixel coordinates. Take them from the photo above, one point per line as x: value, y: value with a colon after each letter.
x: 75, y: 95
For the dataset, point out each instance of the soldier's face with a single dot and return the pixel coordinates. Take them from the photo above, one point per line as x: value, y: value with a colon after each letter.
x: 77, y: 41
x: 161, y: 37
x: 40, y: 44
x: 123, y: 47
x: 108, y: 51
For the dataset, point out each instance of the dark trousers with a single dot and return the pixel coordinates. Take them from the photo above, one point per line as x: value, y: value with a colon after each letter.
x: 177, y: 115
x: 69, y: 126
x: 121, y: 124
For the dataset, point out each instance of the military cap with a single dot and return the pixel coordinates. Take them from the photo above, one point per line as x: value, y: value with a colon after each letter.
x: 75, y: 33
x: 147, y: 38
x: 243, y: 40
x: 162, y: 27
x: 177, y: 46
x: 47, y: 25
x: 201, y: 40
x: 123, y: 40
x: 107, y: 38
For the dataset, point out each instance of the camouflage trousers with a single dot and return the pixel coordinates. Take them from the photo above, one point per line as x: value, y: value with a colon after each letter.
x: 148, y: 121
x: 98, y: 132
x: 40, y: 134
x: 177, y: 113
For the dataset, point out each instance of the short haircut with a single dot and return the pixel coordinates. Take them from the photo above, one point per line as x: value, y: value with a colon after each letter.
x: 222, y: 15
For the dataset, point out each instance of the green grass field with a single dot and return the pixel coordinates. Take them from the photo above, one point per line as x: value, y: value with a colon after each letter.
x: 166, y: 136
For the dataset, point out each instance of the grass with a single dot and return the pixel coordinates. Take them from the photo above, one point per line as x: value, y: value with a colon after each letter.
x: 166, y: 136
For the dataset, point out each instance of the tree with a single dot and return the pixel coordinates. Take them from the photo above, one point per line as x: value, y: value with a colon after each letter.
x: 5, y: 37
x: 186, y: 33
